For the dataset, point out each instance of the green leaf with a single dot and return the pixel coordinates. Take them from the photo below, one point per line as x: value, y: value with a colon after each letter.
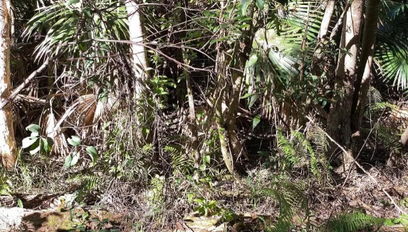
x: 71, y: 2
x: 75, y: 158
x: 252, y: 100
x: 207, y: 159
x: 33, y: 128
x: 74, y: 140
x: 93, y: 153
x: 46, y: 144
x: 20, y: 203
x: 255, y: 121
x: 71, y: 160
x: 35, y: 150
x: 203, y: 167
x: 244, y: 6
x: 260, y: 4
x: 68, y: 161
x: 27, y: 142
x: 190, y: 197
x: 5, y: 189
x: 87, y: 12
x: 252, y: 60
x: 247, y: 95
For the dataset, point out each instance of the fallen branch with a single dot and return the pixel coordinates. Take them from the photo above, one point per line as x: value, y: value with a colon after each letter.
x: 31, y: 99
x: 361, y: 167
x: 27, y: 81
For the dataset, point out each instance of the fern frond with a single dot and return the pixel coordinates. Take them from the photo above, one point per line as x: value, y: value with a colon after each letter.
x: 290, y: 198
x: 352, y: 222
x: 179, y: 161
x: 287, y: 149
x: 313, y: 161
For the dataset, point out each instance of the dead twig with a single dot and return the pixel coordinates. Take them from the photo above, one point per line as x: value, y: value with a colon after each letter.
x: 27, y: 81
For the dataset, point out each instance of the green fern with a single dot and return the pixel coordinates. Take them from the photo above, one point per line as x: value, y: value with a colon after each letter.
x: 314, y: 161
x: 381, y: 106
x: 290, y: 198
x: 288, y: 151
x: 180, y: 163
x: 317, y: 145
x: 299, y: 150
x: 5, y: 184
x: 281, y: 226
x: 352, y: 222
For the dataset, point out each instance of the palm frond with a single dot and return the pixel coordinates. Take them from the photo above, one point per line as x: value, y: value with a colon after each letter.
x: 393, y: 63
x: 306, y: 17
x: 74, y: 29
x: 393, y: 9
x: 392, y: 47
x: 284, y: 44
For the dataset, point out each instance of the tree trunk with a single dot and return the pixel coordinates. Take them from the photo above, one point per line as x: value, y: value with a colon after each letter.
x: 230, y: 70
x: 139, y: 63
x: 328, y: 13
x: 404, y: 138
x: 339, y: 120
x: 138, y: 59
x: 195, y: 153
x: 8, y: 151
x: 220, y: 111
x: 365, y: 86
x: 352, y: 77
x: 364, y: 69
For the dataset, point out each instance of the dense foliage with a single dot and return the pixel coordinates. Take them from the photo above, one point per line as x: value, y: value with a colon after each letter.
x: 257, y: 102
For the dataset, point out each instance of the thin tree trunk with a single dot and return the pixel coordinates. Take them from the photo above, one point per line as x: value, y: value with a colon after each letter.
x: 369, y: 37
x: 220, y: 108
x: 227, y: 103
x: 339, y: 120
x: 328, y: 13
x: 139, y: 63
x: 237, y: 148
x: 192, y: 119
x: 365, y: 85
x: 8, y: 151
x: 404, y: 138
x: 223, y: 107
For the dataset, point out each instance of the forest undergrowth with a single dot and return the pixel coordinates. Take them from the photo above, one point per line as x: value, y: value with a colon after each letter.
x: 218, y: 115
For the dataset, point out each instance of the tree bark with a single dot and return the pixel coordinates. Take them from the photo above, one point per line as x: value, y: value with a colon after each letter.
x: 328, y: 13
x: 339, y: 120
x: 404, y: 138
x: 369, y: 37
x: 138, y: 59
x: 8, y: 151
x: 229, y: 68
x: 353, y: 73
x: 192, y: 119
x: 139, y: 63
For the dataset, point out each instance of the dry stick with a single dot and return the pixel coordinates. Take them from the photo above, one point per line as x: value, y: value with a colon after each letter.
x: 17, y: 90
x: 361, y: 167
x: 184, y: 66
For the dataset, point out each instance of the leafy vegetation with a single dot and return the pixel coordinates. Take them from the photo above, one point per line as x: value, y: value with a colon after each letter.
x: 257, y: 115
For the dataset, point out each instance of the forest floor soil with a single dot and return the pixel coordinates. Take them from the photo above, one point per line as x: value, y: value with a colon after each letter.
x: 358, y: 193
